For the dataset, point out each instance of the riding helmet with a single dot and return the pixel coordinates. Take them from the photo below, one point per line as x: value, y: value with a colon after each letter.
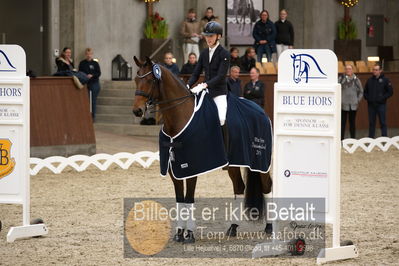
x: 213, y: 27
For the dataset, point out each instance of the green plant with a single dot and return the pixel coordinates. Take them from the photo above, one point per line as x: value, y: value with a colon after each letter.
x: 156, y: 27
x: 347, y: 30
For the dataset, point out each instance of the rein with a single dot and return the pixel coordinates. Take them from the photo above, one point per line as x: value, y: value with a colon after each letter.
x: 152, y: 101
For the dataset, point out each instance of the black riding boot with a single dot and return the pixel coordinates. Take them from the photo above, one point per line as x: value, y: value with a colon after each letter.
x: 225, y: 132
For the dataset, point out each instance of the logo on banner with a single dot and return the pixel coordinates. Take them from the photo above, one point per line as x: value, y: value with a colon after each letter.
x: 7, y: 164
x: 287, y: 173
x: 305, y: 68
x: 5, y: 63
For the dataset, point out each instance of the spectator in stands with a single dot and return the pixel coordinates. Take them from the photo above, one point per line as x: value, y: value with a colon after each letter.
x: 65, y: 67
x: 255, y: 89
x: 234, y: 57
x: 191, y: 33
x: 377, y: 90
x: 168, y: 63
x: 285, y: 33
x: 209, y: 16
x: 352, y: 93
x: 233, y: 82
x: 91, y: 68
x: 248, y: 61
x: 264, y: 33
x: 188, y: 68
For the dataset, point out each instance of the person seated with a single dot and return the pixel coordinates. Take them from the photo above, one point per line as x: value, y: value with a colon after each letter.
x: 234, y: 57
x: 188, y: 68
x: 255, y: 89
x: 233, y: 82
x: 65, y: 67
x: 168, y: 63
x: 248, y: 60
x: 91, y: 68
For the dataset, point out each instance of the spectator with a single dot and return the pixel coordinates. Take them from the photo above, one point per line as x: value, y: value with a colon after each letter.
x: 91, y: 68
x: 352, y: 93
x: 209, y: 16
x: 285, y: 33
x: 65, y: 67
x: 264, y: 33
x: 248, y: 61
x: 168, y: 63
x: 234, y: 57
x: 233, y: 82
x: 188, y: 68
x: 191, y: 33
x: 377, y: 90
x: 254, y: 90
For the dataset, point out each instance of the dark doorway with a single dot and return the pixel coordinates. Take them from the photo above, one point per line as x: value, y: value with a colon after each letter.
x: 21, y: 22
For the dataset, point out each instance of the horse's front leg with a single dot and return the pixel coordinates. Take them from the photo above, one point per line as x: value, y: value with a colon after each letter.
x: 180, y: 204
x: 189, y: 203
x: 238, y: 188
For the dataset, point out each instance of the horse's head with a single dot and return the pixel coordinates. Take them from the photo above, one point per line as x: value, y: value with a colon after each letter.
x: 296, y: 64
x: 146, y: 86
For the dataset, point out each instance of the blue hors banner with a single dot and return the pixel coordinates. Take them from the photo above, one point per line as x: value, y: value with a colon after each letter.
x: 307, y: 104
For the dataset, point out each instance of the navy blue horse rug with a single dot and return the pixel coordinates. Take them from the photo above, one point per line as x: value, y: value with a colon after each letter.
x: 199, y: 149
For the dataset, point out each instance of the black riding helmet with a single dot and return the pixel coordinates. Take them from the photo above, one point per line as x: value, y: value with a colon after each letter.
x: 213, y: 27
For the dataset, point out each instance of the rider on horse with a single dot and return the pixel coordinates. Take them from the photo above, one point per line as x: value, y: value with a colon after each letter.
x: 215, y: 61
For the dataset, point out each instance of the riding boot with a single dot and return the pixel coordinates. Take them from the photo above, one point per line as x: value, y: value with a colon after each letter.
x: 225, y: 132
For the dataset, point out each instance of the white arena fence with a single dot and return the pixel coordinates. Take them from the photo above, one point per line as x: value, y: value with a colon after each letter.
x: 124, y: 160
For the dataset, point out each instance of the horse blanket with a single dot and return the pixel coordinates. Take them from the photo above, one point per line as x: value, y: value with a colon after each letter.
x: 199, y: 148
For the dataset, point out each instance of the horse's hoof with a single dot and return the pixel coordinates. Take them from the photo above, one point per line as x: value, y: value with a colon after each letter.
x: 232, y: 231
x: 269, y: 229
x: 179, y: 236
x: 189, y: 238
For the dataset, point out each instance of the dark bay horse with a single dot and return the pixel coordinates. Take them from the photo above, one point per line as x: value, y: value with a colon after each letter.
x: 176, y: 103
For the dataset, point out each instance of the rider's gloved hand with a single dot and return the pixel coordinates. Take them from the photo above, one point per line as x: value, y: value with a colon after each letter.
x: 198, y: 88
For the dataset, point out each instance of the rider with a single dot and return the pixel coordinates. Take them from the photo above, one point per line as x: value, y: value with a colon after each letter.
x: 215, y: 61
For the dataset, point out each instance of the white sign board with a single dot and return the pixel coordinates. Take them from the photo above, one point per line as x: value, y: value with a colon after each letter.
x: 307, y: 109
x: 307, y: 145
x: 14, y: 137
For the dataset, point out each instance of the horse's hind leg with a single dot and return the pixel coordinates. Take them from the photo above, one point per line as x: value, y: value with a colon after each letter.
x: 179, y: 193
x: 266, y: 182
x: 238, y: 188
x: 267, y: 189
x: 236, y: 178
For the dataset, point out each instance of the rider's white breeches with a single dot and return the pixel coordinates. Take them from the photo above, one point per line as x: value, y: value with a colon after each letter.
x: 221, y: 103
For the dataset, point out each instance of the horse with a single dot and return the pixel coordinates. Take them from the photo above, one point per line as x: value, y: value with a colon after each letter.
x: 301, y: 64
x: 176, y: 103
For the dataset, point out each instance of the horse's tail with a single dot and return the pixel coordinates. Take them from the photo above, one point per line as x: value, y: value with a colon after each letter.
x: 254, y: 200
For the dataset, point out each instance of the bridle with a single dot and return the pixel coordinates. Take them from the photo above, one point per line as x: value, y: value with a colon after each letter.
x: 152, y: 101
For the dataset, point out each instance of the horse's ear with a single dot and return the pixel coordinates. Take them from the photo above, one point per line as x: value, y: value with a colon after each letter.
x: 138, y: 63
x: 148, y: 61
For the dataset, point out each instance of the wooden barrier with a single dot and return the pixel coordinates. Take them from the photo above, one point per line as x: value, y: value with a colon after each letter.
x: 362, y: 113
x: 60, y: 118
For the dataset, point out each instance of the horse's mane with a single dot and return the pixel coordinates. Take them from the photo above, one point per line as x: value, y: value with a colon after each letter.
x: 178, y: 81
